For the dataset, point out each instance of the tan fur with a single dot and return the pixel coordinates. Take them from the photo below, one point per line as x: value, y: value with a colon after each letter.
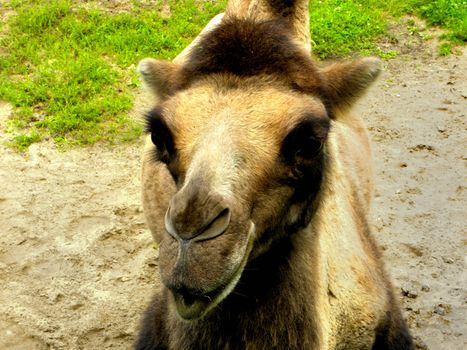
x: 241, y: 116
x: 342, y: 289
x: 229, y: 132
x: 353, y: 287
x: 158, y: 189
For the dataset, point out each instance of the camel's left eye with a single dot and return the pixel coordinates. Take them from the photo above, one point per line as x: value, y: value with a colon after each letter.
x: 307, y: 147
x: 305, y: 141
x: 161, y: 137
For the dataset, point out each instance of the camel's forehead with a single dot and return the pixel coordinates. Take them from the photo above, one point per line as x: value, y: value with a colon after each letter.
x: 255, y: 114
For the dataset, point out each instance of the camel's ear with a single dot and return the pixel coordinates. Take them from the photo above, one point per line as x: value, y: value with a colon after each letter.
x: 158, y: 75
x: 347, y: 81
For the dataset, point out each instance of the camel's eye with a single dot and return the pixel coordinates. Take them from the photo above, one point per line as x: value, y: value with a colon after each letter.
x: 305, y: 141
x: 161, y: 137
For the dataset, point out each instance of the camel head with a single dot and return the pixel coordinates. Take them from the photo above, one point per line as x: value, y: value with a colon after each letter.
x: 238, y: 149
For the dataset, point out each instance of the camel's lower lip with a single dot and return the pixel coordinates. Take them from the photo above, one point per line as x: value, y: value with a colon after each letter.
x: 190, y: 306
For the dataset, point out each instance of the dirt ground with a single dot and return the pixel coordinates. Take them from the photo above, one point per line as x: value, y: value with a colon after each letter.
x: 77, y: 263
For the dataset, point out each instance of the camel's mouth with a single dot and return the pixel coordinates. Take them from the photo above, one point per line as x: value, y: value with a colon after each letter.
x: 193, y: 305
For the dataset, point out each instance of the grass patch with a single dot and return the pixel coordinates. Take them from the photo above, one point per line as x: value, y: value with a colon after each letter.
x: 448, y: 14
x: 342, y: 27
x: 70, y: 71
x: 24, y: 140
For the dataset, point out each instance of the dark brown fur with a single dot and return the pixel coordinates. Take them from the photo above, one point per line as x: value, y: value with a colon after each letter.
x: 245, y: 48
x: 282, y: 8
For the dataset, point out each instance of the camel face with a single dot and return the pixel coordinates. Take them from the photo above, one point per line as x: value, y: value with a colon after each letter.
x: 241, y: 127
x: 238, y: 151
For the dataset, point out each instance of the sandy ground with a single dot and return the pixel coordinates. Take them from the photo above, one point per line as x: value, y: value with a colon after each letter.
x: 77, y: 263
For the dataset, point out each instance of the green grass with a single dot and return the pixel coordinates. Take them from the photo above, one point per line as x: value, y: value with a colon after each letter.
x: 70, y: 71
x: 341, y: 27
x: 447, y: 14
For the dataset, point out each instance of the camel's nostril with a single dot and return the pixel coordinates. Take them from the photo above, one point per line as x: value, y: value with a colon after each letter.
x: 216, y: 227
x: 209, y: 230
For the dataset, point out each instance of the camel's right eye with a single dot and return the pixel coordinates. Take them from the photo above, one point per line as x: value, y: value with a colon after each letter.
x: 161, y: 137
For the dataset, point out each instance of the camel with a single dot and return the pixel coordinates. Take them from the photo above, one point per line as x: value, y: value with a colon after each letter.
x: 256, y: 184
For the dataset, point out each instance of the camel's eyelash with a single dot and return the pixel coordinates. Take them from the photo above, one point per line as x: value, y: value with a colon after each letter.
x: 305, y: 140
x: 149, y: 119
x: 161, y: 136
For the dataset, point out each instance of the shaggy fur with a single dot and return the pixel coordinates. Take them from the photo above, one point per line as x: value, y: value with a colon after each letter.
x: 245, y: 48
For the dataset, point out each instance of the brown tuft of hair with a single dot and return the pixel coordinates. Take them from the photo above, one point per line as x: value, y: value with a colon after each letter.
x: 245, y: 47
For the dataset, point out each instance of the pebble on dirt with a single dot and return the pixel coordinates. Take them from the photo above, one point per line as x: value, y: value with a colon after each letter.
x: 425, y: 288
x: 409, y: 291
x: 448, y: 260
x: 442, y: 309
